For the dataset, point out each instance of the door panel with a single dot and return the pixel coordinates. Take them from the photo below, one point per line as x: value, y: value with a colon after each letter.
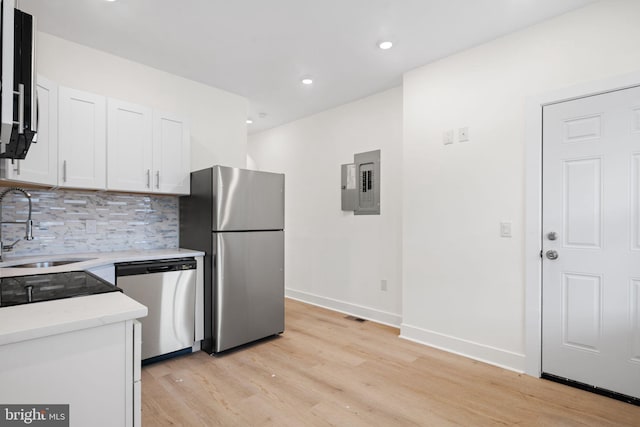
x: 583, y: 128
x: 249, y: 287
x: 591, y: 200
x: 582, y: 203
x: 582, y: 311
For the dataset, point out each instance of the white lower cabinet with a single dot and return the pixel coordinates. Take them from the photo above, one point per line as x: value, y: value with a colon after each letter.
x: 96, y: 371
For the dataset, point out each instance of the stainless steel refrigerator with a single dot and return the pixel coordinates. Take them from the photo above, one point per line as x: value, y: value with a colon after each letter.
x: 236, y: 216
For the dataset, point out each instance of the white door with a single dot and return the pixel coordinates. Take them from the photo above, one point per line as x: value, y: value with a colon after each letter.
x: 591, y: 201
x: 129, y: 146
x: 171, y: 154
x: 82, y: 139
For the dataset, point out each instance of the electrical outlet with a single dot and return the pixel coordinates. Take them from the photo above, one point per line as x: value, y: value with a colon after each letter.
x: 463, y: 134
x: 383, y: 285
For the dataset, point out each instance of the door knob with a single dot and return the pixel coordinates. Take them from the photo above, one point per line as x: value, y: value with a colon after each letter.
x: 551, y: 254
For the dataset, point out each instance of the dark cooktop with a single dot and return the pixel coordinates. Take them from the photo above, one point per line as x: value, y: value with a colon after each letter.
x: 45, y: 287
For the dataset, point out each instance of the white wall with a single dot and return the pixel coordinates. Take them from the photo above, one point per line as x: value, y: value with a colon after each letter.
x: 333, y: 258
x: 463, y: 283
x: 217, y: 118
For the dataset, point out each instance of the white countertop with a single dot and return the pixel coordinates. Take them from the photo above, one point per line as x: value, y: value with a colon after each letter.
x: 37, y: 320
x: 94, y: 259
x: 31, y: 321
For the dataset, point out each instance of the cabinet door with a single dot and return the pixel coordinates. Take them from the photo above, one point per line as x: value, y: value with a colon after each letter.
x: 82, y: 142
x: 171, y: 154
x: 41, y: 164
x: 89, y: 369
x: 129, y: 146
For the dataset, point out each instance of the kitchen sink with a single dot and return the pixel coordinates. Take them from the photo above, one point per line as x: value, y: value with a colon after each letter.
x: 49, y: 263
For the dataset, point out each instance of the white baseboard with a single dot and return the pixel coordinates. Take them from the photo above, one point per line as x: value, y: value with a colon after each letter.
x: 368, y: 313
x: 481, y: 352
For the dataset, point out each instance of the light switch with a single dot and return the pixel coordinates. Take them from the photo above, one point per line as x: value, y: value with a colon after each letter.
x: 505, y: 229
x: 447, y: 137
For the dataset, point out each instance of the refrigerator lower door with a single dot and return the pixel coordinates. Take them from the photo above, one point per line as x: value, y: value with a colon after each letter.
x: 249, y: 287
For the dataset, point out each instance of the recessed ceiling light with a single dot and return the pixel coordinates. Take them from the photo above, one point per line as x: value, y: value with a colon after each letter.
x: 110, y: 1
x: 385, y: 45
x: 307, y: 81
x: 249, y: 121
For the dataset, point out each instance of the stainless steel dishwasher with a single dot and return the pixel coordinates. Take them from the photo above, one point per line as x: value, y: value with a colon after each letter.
x: 167, y: 288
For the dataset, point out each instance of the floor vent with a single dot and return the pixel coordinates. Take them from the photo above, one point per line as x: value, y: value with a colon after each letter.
x: 356, y: 319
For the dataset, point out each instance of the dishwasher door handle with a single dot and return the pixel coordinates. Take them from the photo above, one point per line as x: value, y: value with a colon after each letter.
x: 159, y: 269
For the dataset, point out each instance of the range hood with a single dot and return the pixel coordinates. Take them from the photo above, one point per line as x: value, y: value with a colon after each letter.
x: 18, y: 106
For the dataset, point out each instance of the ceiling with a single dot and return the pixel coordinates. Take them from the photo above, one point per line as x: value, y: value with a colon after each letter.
x: 261, y: 49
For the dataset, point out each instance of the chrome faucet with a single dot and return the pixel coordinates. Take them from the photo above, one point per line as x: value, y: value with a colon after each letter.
x: 28, y: 223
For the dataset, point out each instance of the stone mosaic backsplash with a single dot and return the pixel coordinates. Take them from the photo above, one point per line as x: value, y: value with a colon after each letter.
x: 68, y: 221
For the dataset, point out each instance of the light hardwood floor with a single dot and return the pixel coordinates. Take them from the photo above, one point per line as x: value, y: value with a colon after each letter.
x: 326, y: 370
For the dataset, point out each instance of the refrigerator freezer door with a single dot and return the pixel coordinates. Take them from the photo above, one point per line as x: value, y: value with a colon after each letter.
x: 249, y: 289
x: 247, y: 200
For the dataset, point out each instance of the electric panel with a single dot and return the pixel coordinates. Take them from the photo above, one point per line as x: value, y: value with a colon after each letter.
x: 360, y: 184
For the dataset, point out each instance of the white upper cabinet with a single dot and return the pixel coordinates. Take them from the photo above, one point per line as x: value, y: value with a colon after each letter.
x: 86, y: 141
x: 82, y: 139
x: 129, y: 147
x: 171, y: 154
x: 147, y: 151
x: 41, y: 163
